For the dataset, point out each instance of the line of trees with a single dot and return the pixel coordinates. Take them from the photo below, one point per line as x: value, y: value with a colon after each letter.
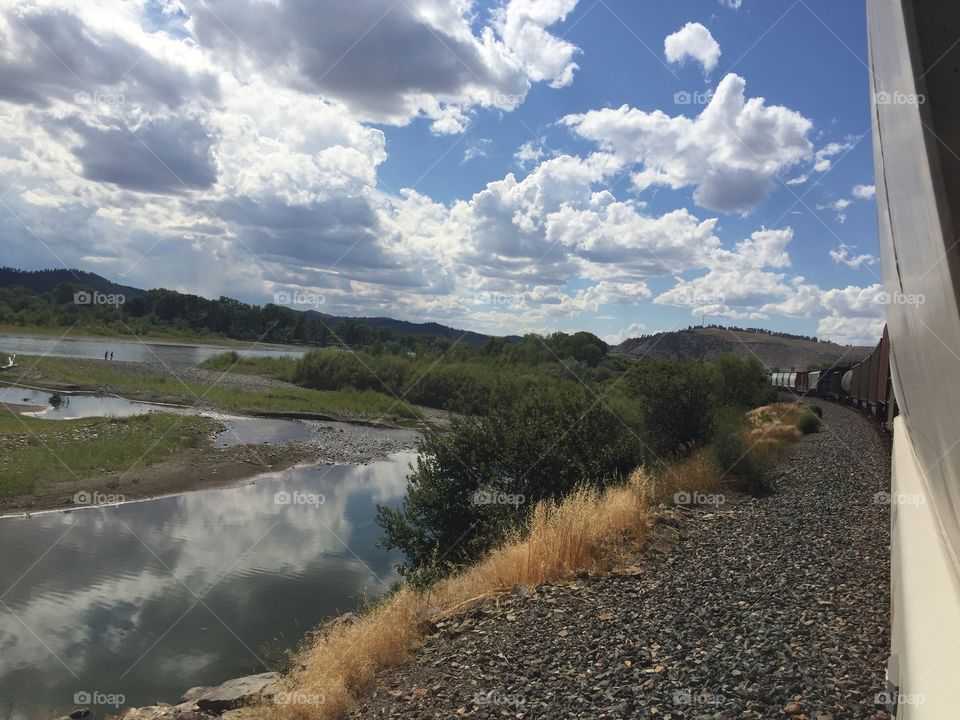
x: 172, y: 312
x: 540, y: 432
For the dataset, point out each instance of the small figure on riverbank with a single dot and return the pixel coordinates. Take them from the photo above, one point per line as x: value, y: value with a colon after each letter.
x: 105, y: 353
x: 111, y: 354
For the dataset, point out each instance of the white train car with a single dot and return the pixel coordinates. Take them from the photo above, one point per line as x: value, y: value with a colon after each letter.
x: 914, y: 61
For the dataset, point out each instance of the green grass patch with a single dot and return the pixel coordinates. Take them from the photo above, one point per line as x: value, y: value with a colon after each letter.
x: 36, y: 454
x: 334, y: 402
x: 88, y: 373
x: 281, y: 368
x: 130, y: 381
x: 737, y: 455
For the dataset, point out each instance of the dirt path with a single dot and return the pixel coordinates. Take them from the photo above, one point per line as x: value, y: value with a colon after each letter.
x: 763, y: 608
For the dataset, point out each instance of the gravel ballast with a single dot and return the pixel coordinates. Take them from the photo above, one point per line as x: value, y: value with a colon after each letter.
x: 757, y: 608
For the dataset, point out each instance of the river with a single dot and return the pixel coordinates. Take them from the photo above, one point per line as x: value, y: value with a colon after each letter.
x: 145, y: 599
x: 132, y: 350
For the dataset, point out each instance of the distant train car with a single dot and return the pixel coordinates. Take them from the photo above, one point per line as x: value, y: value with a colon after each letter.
x: 829, y: 385
x: 846, y: 383
x: 800, y: 382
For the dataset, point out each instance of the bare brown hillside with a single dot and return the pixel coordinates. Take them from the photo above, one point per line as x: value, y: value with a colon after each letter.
x: 776, y: 352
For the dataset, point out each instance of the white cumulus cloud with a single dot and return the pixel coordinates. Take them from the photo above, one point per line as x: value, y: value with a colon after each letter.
x: 842, y: 255
x: 692, y: 41
x: 731, y: 153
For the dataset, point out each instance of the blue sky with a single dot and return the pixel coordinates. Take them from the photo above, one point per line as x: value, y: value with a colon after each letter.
x: 677, y: 160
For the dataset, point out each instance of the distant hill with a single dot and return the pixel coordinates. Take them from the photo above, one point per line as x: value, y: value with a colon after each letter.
x: 783, y: 352
x: 44, y: 281
x: 412, y: 328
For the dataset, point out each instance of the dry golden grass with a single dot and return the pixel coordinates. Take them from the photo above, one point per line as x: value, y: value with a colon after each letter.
x: 776, y: 423
x: 588, y: 530
x: 697, y: 473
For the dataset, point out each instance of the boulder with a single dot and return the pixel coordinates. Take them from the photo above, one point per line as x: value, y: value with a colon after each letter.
x: 341, y: 621
x: 193, y: 693
x: 237, y: 692
x: 76, y: 715
x: 183, y: 711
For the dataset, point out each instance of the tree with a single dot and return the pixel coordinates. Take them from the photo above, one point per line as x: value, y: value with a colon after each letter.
x: 674, y: 398
x: 742, y: 381
x: 536, y: 445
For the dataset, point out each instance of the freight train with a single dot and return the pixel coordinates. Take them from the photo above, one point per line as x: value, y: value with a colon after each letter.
x: 868, y: 385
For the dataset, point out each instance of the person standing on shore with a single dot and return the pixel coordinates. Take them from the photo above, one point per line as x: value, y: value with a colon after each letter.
x: 105, y: 353
x: 111, y: 354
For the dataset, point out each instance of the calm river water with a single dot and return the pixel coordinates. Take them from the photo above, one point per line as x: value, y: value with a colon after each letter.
x: 129, y: 350
x: 147, y: 599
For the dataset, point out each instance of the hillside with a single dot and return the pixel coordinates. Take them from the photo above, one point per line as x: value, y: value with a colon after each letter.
x: 774, y: 351
x: 44, y: 281
x: 426, y: 329
x: 201, y: 312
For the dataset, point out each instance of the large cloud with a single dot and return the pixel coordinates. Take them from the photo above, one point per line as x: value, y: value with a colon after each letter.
x: 738, y: 281
x: 852, y: 315
x: 53, y: 54
x: 559, y: 223
x: 731, y: 153
x: 161, y: 155
x: 392, y: 61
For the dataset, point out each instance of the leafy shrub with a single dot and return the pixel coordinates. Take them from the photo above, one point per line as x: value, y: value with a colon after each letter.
x: 816, y: 410
x: 808, y: 423
x: 736, y: 456
x: 675, y: 399
x: 475, y: 483
x: 221, y: 361
x: 742, y: 382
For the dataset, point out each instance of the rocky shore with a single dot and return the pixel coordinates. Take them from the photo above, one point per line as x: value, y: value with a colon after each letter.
x: 230, y: 701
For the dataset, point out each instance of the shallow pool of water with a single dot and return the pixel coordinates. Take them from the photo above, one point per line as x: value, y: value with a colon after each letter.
x: 252, y: 430
x: 147, y: 599
x: 65, y: 406
x: 237, y: 430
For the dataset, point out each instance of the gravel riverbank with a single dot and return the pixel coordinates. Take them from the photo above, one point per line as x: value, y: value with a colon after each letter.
x: 337, y: 443
x: 760, y: 608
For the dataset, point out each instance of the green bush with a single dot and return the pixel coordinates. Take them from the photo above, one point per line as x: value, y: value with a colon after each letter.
x: 735, y: 458
x: 808, y: 423
x: 221, y: 361
x: 474, y: 483
x: 675, y: 399
x: 742, y: 382
x: 817, y: 410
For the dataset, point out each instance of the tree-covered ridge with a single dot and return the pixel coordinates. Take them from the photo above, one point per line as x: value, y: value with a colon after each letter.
x: 736, y: 328
x: 34, y: 300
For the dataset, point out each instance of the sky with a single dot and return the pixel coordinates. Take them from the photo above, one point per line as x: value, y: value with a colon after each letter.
x: 618, y: 166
